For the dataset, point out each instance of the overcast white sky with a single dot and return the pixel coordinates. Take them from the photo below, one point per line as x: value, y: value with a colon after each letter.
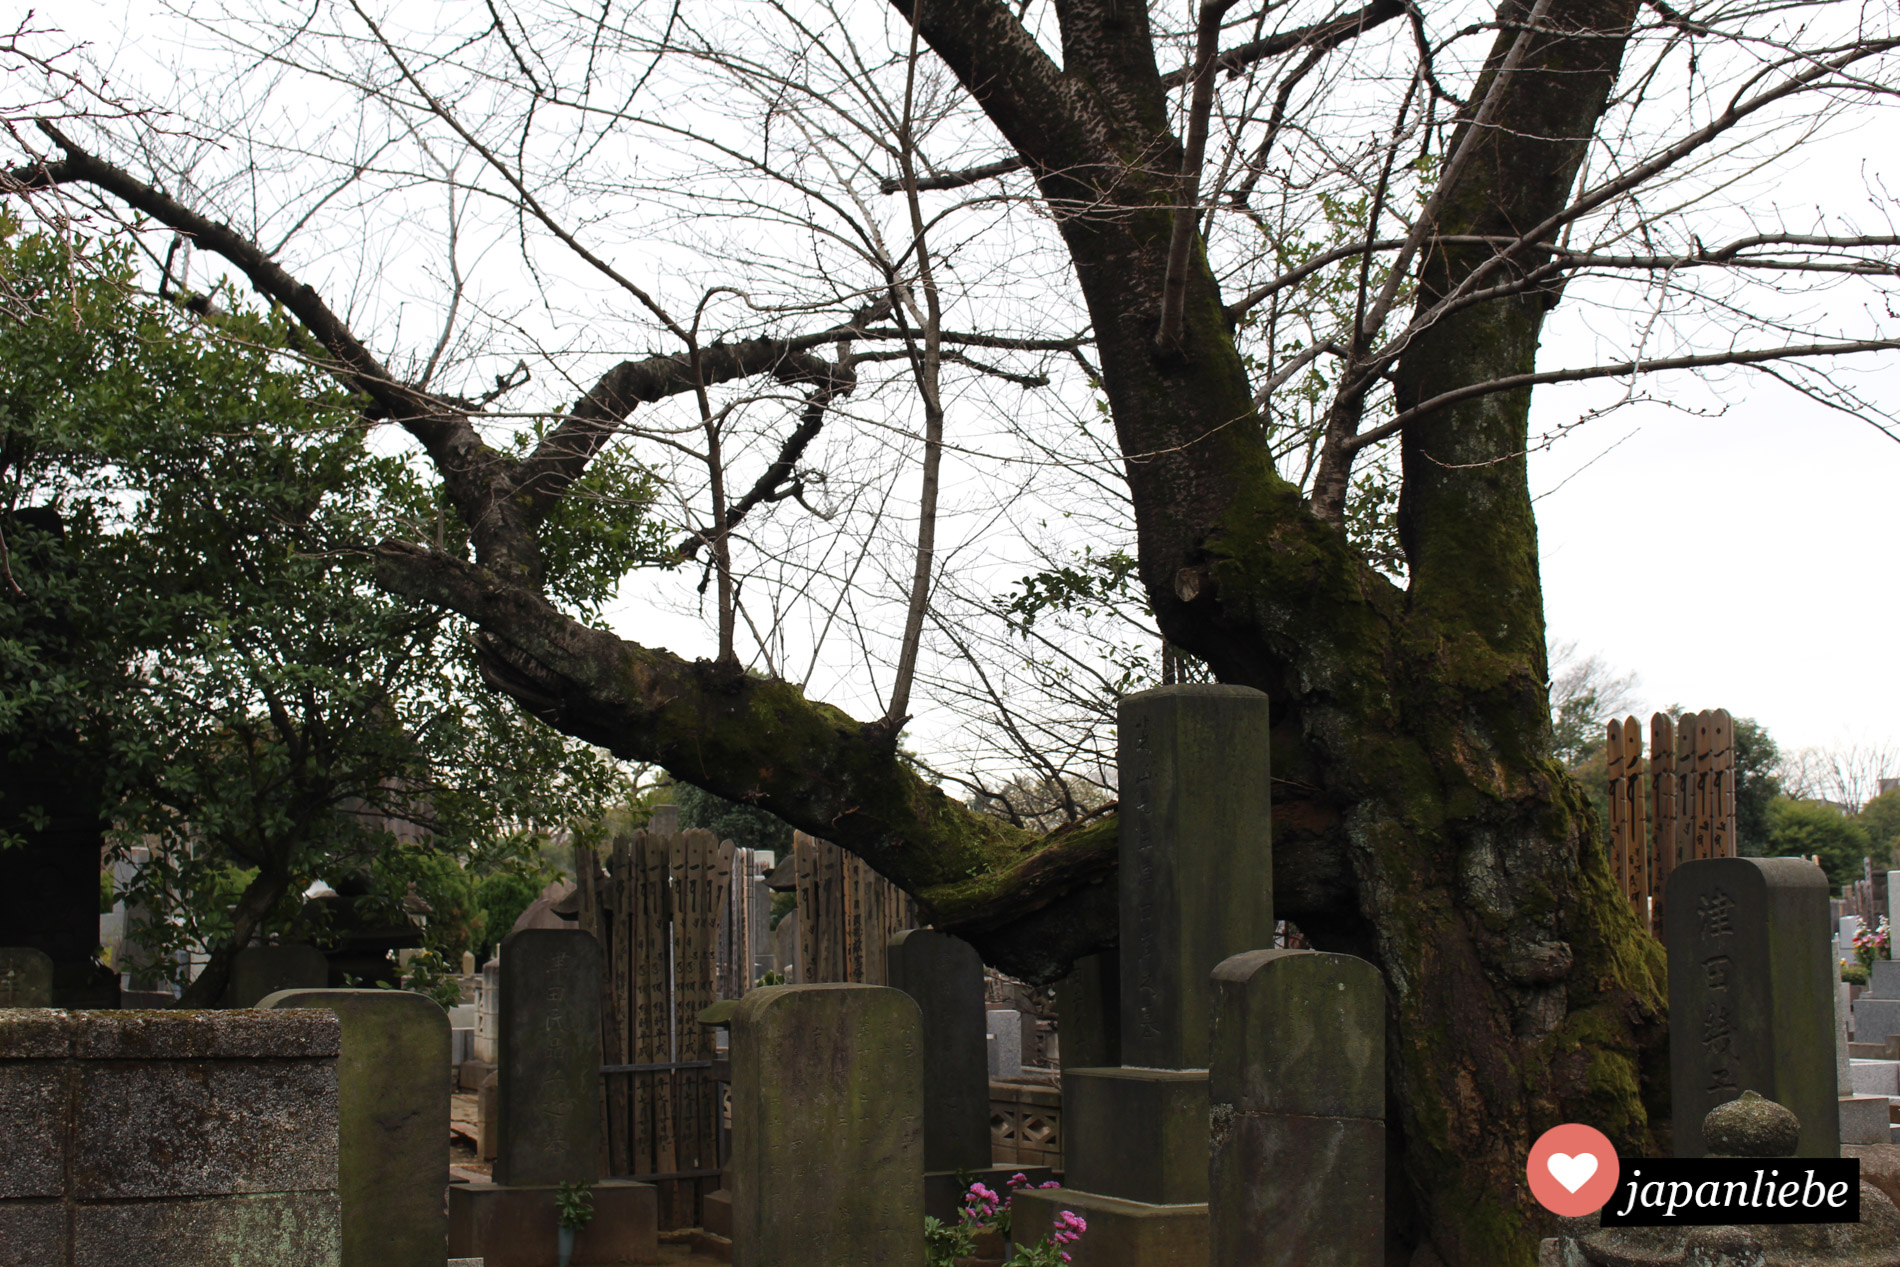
x: 1744, y: 560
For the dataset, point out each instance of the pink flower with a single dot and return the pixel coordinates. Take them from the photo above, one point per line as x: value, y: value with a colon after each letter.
x: 1051, y: 1183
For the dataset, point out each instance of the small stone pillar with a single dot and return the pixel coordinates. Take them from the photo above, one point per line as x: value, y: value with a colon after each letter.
x: 1751, y: 995
x: 1297, y: 1085
x: 392, y: 1074
x: 827, y: 1127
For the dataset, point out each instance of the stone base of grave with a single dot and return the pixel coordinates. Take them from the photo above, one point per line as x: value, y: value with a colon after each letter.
x: 944, y: 1189
x: 517, y: 1227
x: 470, y: 1073
x: 1865, y: 1119
x: 1138, y: 1134
x: 1121, y: 1233
x: 716, y: 1216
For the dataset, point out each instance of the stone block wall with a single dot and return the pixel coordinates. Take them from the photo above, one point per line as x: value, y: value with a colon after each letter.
x: 168, y: 1139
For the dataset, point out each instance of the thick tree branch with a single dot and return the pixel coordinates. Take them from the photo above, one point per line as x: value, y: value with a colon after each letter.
x: 1031, y: 905
x: 1026, y: 95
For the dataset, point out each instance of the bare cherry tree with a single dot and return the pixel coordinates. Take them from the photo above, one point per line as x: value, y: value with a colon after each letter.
x: 987, y: 348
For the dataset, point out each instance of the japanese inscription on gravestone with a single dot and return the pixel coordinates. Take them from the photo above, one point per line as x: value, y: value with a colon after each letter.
x: 1751, y: 1005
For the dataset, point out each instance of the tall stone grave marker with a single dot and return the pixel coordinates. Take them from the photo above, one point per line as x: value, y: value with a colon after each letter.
x: 1196, y: 860
x: 1297, y: 1087
x: 1196, y: 882
x: 827, y: 1127
x: 944, y: 977
x: 1751, y: 997
x: 549, y: 1043
x: 547, y: 1114
x: 26, y: 977
x: 392, y: 1076
x: 1005, y: 1044
x: 1863, y: 1117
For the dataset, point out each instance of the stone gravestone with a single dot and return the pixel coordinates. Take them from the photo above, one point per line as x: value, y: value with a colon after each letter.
x: 1751, y: 997
x: 1297, y: 1089
x: 1005, y: 1043
x: 392, y: 1074
x: 26, y: 977
x: 944, y: 977
x: 827, y: 1127
x: 1877, y: 1010
x: 549, y: 1040
x: 260, y: 970
x: 1864, y: 1118
x: 1196, y: 883
x: 547, y: 1115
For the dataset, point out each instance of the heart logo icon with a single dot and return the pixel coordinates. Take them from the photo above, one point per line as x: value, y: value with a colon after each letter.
x: 1572, y: 1172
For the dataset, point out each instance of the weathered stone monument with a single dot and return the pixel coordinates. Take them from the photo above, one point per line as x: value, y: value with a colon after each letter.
x: 26, y: 977
x: 1877, y: 1010
x: 944, y: 977
x: 1004, y: 1042
x: 1864, y: 1118
x: 393, y: 1116
x: 168, y: 1139
x: 1196, y: 882
x: 1751, y: 996
x: 547, y: 1113
x: 1297, y: 1088
x: 827, y: 1127
x: 260, y: 970
x: 488, y: 1012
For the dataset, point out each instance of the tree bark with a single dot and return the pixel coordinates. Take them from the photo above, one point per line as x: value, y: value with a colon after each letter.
x: 1442, y: 842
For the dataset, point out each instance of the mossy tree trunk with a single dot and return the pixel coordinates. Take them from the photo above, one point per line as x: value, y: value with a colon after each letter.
x: 1431, y: 831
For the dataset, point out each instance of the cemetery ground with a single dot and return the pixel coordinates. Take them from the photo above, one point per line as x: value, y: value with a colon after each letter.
x: 617, y: 1087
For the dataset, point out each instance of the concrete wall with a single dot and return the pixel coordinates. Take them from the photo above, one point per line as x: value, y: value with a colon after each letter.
x: 168, y: 1139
